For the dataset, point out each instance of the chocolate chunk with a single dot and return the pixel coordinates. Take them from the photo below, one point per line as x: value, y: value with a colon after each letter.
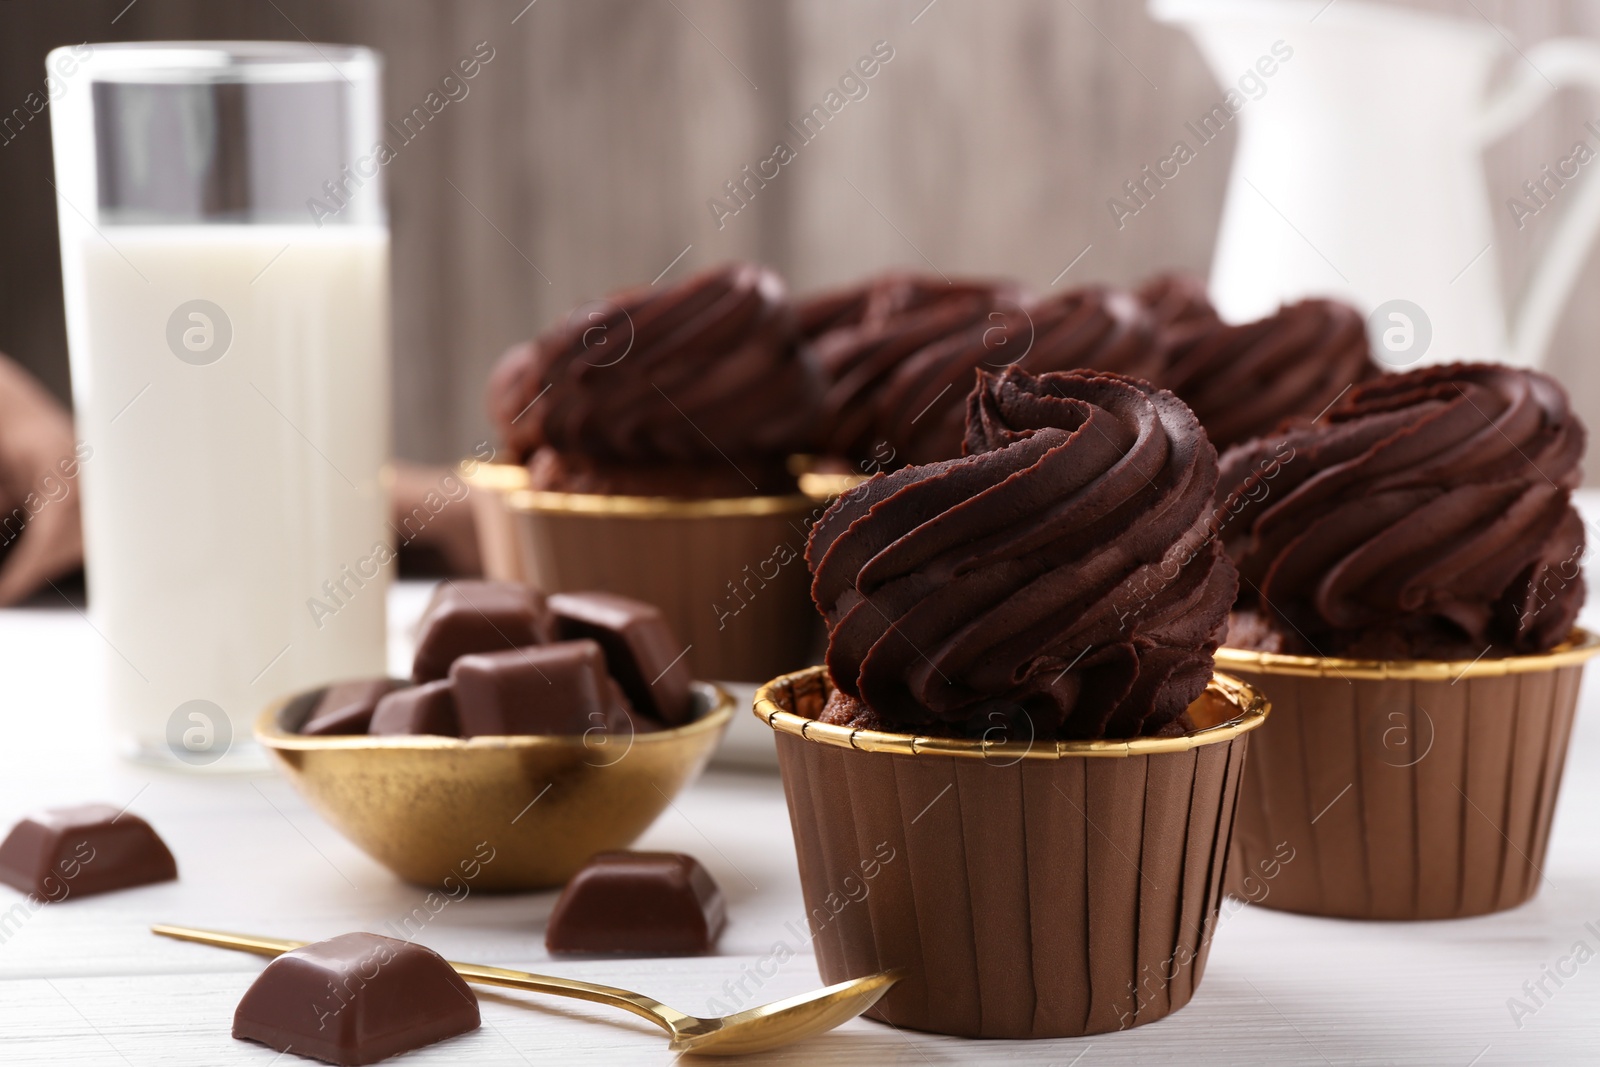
x: 79, y: 851
x: 421, y: 709
x: 355, y: 998
x: 346, y: 708
x: 467, y: 617
x: 641, y: 652
x: 561, y: 688
x: 638, y: 904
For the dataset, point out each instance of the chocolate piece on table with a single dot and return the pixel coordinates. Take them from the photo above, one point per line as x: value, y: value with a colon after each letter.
x: 471, y: 616
x: 355, y: 998
x: 420, y: 709
x: 82, y: 850
x: 560, y: 688
x: 346, y: 707
x: 641, y: 652
x: 638, y: 904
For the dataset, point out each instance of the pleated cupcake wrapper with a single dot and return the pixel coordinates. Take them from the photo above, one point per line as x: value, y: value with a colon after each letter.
x: 1396, y: 793
x: 491, y: 485
x: 730, y: 575
x: 1027, y: 897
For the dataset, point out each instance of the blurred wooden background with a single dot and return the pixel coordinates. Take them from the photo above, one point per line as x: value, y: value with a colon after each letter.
x: 586, y: 150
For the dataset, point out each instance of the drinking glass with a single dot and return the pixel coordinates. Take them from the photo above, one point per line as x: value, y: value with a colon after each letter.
x: 225, y: 260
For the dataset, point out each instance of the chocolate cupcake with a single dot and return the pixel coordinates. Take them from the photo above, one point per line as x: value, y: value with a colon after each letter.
x: 656, y: 426
x: 692, y: 391
x: 1179, y: 304
x: 1410, y: 580
x: 1095, y: 328
x: 996, y: 624
x: 863, y: 340
x: 1243, y: 381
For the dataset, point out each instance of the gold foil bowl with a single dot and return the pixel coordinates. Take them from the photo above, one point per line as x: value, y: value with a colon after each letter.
x: 429, y: 808
x: 1051, y: 889
x: 729, y: 574
x: 1403, y: 789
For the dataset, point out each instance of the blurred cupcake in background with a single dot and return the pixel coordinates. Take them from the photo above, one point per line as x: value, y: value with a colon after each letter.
x: 1244, y: 380
x: 691, y: 391
x: 1410, y: 579
x: 863, y: 337
x: 656, y: 426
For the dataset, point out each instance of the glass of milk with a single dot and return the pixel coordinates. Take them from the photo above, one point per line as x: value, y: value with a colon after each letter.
x: 225, y: 258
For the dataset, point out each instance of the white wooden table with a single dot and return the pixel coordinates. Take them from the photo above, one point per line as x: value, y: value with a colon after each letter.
x: 85, y: 983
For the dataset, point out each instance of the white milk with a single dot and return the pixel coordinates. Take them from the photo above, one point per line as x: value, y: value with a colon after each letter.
x: 234, y: 510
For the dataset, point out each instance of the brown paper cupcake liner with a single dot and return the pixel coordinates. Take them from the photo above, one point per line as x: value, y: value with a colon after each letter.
x: 1403, y: 790
x: 1048, y: 890
x: 491, y: 484
x: 729, y: 574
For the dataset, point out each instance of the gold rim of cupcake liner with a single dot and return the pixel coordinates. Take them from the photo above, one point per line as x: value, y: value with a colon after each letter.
x: 510, y: 480
x: 1579, y: 646
x: 495, y: 477
x: 268, y: 733
x: 655, y: 507
x: 1253, y: 710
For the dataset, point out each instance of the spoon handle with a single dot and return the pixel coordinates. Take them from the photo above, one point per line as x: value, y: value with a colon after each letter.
x: 669, y: 1019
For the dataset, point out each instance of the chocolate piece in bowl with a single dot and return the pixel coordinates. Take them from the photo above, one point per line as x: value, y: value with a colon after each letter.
x: 476, y: 616
x: 641, y: 652
x: 420, y: 709
x: 347, y: 707
x: 83, y: 850
x: 560, y: 688
x: 355, y: 999
x: 638, y: 904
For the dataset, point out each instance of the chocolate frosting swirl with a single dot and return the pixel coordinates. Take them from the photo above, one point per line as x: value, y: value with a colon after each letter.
x: 861, y: 341
x: 1096, y: 328
x: 701, y: 372
x: 1243, y: 381
x: 1179, y: 304
x: 1058, y: 581
x: 900, y: 353
x: 1426, y: 515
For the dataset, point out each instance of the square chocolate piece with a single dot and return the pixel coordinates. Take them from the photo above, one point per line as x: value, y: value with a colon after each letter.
x: 420, y: 709
x: 346, y: 707
x: 80, y: 851
x: 641, y: 651
x: 638, y: 904
x: 355, y: 998
x: 466, y: 617
x: 561, y: 688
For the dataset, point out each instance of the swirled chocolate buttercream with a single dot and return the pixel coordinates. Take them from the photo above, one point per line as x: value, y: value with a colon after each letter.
x: 1058, y: 581
x: 1243, y: 381
x: 1425, y: 515
x: 693, y: 389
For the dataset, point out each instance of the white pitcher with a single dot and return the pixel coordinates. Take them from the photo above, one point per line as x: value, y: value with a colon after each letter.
x: 1359, y: 171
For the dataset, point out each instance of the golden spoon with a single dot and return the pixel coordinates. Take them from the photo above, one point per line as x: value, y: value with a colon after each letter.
x: 752, y: 1030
